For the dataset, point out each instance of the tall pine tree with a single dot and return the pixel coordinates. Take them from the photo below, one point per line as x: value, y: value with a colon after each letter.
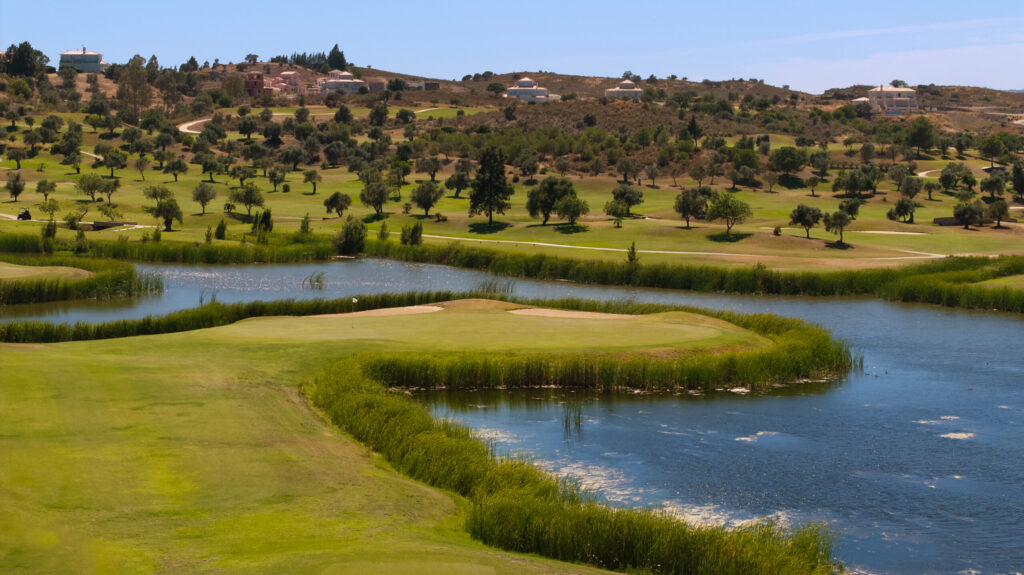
x: 490, y: 190
x: 336, y: 59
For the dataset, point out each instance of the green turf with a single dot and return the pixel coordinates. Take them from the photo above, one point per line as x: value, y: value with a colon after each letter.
x: 195, y: 452
x: 9, y: 271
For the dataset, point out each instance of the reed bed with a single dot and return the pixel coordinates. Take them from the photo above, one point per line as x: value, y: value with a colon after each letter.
x: 110, y: 278
x: 184, y: 252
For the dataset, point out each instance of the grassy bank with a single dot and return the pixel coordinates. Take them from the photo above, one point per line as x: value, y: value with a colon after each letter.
x: 100, y: 278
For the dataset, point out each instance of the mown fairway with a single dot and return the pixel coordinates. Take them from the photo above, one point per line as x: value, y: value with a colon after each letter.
x: 195, y: 451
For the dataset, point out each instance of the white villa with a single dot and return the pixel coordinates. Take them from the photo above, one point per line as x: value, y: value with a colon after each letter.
x: 340, y: 81
x: 85, y: 61
x: 627, y: 89
x: 527, y: 90
x: 892, y: 101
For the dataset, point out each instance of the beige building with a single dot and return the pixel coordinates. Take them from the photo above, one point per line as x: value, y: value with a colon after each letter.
x: 527, y: 90
x: 339, y: 81
x: 627, y: 89
x: 892, y: 101
x: 85, y: 61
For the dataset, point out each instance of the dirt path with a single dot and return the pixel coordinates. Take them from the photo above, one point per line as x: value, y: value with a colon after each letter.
x: 916, y: 256
x: 189, y: 127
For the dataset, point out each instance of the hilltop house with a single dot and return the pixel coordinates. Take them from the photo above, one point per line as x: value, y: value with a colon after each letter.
x: 891, y: 100
x: 340, y: 81
x: 527, y: 90
x: 627, y: 89
x: 85, y: 61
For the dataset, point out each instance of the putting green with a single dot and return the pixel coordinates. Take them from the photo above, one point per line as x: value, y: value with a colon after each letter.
x: 195, y: 451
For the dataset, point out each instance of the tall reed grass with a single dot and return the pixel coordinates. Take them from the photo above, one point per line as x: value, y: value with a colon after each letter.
x: 110, y: 278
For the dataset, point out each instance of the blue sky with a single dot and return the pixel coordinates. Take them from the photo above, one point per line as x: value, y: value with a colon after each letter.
x: 809, y: 46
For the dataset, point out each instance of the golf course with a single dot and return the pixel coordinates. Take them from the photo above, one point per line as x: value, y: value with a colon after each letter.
x: 122, y: 456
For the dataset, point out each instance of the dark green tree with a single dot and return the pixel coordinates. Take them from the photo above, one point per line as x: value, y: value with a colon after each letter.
x: 351, y: 238
x: 540, y: 201
x: 374, y: 195
x: 167, y: 210
x: 458, y: 181
x: 15, y: 185
x: 806, y: 217
x: 920, y: 134
x: 730, y: 209
x: 336, y: 59
x: 426, y: 195
x: 312, y: 177
x: 249, y: 195
x: 175, y: 167
x: 691, y: 203
x: 628, y: 195
x: 571, y: 208
x: 490, y: 189
x: 836, y: 222
x: 338, y: 203
x: 788, y: 159
x: 430, y: 165
x: 203, y: 194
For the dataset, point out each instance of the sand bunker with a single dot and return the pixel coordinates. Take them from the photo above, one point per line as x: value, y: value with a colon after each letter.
x: 543, y: 312
x: 410, y: 310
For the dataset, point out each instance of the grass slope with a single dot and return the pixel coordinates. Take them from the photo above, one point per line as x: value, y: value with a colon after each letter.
x: 9, y: 272
x: 193, y: 451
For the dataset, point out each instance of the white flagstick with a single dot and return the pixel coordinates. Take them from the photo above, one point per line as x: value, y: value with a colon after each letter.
x: 352, y: 318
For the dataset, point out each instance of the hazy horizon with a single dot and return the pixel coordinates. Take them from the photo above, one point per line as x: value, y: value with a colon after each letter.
x: 807, y: 49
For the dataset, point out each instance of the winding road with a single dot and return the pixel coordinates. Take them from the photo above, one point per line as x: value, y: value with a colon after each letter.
x: 190, y: 127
